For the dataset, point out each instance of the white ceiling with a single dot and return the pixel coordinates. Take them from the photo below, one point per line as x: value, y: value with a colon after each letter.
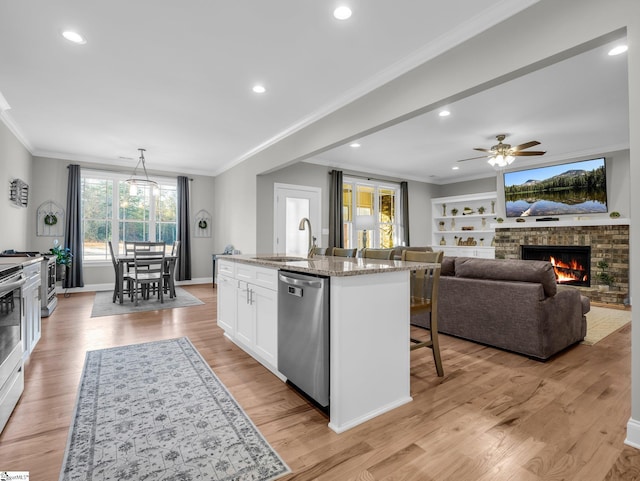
x: 578, y: 107
x: 176, y: 77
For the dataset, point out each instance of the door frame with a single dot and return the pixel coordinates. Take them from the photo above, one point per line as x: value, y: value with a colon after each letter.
x: 314, y: 194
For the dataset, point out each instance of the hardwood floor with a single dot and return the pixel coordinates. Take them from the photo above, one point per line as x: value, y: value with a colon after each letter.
x: 493, y: 416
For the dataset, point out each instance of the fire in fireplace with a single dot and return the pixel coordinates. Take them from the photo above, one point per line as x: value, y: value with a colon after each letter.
x: 572, y: 264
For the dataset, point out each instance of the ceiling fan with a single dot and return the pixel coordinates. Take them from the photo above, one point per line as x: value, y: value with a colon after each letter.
x: 501, y: 155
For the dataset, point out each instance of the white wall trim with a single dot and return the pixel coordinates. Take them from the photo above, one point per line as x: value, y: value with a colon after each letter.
x: 633, y: 433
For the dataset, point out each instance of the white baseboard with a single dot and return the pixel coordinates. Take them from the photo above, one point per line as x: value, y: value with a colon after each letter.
x: 633, y: 433
x: 109, y: 286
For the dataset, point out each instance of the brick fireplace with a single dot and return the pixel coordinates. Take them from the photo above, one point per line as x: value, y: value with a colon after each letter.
x: 608, y: 242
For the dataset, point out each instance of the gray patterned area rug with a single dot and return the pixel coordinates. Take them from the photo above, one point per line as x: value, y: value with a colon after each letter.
x: 103, y: 304
x: 156, y: 411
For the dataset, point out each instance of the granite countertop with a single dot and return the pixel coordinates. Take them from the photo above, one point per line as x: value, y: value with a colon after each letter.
x: 22, y: 260
x: 327, y: 265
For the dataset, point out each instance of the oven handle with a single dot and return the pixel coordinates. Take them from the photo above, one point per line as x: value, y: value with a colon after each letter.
x: 6, y: 288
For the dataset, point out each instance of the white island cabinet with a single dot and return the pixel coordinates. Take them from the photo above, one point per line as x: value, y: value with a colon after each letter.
x: 248, y: 309
x: 368, y: 325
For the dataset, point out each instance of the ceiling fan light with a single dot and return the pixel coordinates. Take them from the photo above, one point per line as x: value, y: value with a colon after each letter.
x: 509, y: 159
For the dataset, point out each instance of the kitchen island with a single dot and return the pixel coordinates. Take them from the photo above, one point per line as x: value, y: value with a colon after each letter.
x: 369, y: 325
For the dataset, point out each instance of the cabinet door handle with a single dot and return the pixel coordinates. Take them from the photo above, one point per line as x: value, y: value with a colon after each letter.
x: 251, y: 297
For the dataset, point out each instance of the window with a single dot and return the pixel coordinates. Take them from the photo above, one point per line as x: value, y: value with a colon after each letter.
x: 110, y: 212
x: 370, y: 213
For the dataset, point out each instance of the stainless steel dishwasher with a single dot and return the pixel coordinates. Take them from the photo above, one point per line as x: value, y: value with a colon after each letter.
x: 303, y: 333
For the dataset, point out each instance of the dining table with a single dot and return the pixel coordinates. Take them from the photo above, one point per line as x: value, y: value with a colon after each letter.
x: 128, y: 259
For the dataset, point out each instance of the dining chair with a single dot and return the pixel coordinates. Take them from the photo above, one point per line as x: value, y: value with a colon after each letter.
x: 370, y: 253
x: 424, y: 301
x: 116, y: 289
x: 148, y: 270
x: 168, y: 276
x: 319, y: 251
x: 341, y: 252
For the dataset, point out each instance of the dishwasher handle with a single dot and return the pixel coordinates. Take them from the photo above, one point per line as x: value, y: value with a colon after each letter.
x: 300, y: 282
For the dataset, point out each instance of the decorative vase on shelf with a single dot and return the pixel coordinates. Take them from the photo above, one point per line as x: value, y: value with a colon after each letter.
x: 444, y: 210
x: 453, y: 224
x: 493, y: 206
x: 484, y: 223
x: 443, y: 242
x: 441, y: 225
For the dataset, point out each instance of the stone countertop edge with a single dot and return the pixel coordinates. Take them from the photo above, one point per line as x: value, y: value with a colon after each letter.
x: 330, y: 266
x: 23, y: 261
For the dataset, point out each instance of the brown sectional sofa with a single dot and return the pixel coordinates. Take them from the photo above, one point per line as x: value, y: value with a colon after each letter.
x: 510, y: 304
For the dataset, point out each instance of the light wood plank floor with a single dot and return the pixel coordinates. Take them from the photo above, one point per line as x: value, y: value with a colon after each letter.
x: 494, y: 416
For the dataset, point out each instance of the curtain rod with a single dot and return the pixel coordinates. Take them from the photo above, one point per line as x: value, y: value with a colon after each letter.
x: 118, y: 172
x: 369, y: 178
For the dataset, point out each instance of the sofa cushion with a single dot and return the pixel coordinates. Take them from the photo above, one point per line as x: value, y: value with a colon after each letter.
x: 508, y: 270
x: 448, y: 266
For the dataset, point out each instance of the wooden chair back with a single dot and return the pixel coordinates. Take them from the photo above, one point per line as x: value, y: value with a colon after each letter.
x: 424, y: 300
x: 341, y: 252
x: 385, y: 254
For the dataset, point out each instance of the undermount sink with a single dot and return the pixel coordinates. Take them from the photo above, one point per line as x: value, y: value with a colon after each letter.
x: 279, y: 258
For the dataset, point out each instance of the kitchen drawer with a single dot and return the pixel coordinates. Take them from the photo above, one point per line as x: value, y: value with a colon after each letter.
x: 260, y: 276
x: 226, y: 268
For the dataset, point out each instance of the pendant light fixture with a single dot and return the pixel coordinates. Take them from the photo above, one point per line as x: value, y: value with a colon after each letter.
x: 137, y: 183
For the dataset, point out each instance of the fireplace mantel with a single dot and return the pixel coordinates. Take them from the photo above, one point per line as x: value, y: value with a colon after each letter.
x: 531, y: 223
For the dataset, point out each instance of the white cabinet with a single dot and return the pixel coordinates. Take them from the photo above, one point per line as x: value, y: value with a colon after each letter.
x: 265, y: 303
x: 248, y: 309
x: 227, y: 314
x: 32, y: 327
x: 461, y: 225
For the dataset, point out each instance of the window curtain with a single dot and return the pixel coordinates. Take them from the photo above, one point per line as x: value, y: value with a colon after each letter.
x: 73, y: 228
x: 336, y: 231
x: 183, y: 267
x: 404, y: 208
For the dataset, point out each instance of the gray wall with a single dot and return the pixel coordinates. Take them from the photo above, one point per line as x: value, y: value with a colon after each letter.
x: 313, y: 175
x: 15, y: 163
x: 50, y: 183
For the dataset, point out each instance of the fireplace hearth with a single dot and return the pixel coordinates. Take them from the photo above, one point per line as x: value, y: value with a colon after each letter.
x: 572, y: 264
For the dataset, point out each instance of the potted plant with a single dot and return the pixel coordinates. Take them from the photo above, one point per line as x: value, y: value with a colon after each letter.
x: 63, y: 258
x: 481, y: 209
x: 604, y: 276
x: 454, y: 211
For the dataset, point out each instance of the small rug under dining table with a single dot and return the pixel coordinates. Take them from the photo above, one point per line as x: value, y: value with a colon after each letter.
x: 156, y: 411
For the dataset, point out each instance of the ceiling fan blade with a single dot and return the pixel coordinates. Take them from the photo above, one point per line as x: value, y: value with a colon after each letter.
x: 526, y: 145
x: 529, y: 152
x: 483, y: 150
x: 472, y: 158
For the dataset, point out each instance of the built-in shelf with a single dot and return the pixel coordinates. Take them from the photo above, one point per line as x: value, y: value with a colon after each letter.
x: 468, y: 232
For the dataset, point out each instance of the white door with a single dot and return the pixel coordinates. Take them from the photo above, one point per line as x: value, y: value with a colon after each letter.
x: 292, y: 203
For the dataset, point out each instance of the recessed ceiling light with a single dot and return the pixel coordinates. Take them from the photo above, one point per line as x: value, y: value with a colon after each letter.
x: 455, y: 168
x: 342, y: 12
x: 444, y: 113
x: 74, y: 37
x: 618, y: 50
x: 355, y: 145
x: 259, y: 89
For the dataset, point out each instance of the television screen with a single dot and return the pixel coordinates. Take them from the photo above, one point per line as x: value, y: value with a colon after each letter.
x: 571, y: 188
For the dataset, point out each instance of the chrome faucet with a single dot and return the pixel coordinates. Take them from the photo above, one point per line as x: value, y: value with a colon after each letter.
x: 312, y: 240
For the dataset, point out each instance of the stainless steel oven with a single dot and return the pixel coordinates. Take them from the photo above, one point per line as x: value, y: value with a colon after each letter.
x: 11, y: 373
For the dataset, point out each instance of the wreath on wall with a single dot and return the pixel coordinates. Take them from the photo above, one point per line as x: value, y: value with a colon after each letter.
x: 202, y: 224
x: 50, y: 219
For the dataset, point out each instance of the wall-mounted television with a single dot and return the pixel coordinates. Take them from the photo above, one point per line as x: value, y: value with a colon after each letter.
x: 572, y: 188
